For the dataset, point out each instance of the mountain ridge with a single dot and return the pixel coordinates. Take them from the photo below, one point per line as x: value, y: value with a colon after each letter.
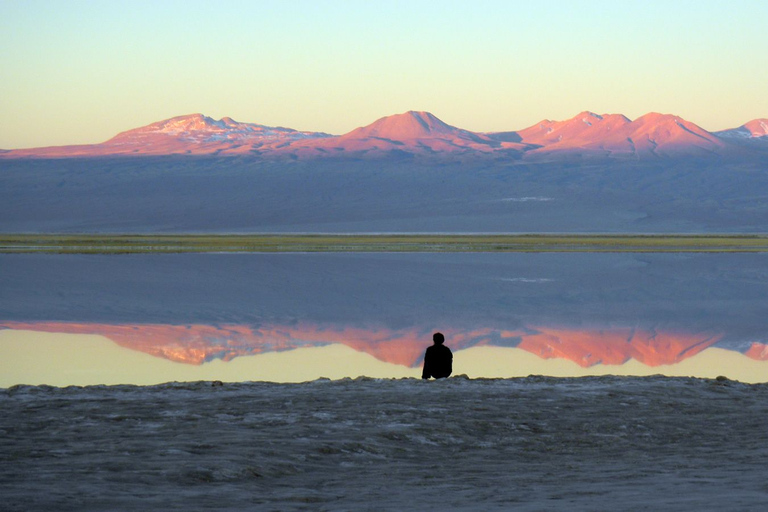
x: 421, y: 133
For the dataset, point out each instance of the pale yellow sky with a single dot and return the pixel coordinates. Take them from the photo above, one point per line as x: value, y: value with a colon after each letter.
x: 80, y: 72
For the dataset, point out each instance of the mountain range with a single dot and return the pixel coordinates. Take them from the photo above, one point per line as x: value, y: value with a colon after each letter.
x: 422, y: 134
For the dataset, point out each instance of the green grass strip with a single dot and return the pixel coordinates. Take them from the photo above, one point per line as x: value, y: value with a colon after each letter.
x: 264, y: 243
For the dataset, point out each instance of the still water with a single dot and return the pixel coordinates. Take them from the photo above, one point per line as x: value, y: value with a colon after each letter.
x: 363, y: 314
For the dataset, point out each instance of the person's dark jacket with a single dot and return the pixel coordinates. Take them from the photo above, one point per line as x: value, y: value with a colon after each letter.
x: 438, y: 362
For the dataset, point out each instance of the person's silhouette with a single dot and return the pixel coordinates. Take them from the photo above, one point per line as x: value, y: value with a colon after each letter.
x: 438, y: 360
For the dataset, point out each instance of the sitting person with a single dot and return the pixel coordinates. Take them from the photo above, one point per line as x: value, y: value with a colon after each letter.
x: 438, y: 360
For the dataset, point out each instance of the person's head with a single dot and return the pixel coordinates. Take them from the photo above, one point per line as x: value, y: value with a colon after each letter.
x: 438, y: 338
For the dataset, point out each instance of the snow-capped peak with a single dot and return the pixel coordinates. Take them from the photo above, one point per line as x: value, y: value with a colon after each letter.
x: 754, y: 129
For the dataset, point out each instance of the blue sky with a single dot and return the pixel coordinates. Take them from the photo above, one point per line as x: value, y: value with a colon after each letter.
x: 82, y: 71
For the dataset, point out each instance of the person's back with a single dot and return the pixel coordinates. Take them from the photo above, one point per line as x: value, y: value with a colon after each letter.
x: 438, y: 359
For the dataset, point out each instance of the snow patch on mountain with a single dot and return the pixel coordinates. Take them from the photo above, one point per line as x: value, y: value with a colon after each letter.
x: 755, y: 129
x: 198, y: 128
x: 419, y: 133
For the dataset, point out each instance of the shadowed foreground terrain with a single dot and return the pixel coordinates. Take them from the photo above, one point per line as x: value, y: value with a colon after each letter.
x: 525, y: 444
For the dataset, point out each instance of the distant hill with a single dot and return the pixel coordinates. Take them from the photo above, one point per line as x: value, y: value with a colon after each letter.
x: 752, y: 134
x: 652, y: 135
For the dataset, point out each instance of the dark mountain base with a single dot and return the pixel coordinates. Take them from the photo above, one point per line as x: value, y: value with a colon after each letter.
x: 244, y: 195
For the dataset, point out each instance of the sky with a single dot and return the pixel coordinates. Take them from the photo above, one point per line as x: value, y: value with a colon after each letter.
x: 78, y: 72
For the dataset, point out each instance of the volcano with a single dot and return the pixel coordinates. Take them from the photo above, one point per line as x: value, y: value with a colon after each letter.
x: 417, y: 133
x: 650, y: 136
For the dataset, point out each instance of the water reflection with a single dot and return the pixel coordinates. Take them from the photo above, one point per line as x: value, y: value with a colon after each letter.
x: 591, y: 309
x: 196, y: 344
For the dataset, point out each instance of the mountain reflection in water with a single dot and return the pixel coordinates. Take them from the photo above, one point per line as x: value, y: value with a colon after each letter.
x: 196, y: 344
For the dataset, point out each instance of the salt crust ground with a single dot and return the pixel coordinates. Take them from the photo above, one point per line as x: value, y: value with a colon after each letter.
x: 35, y: 358
x: 598, y: 443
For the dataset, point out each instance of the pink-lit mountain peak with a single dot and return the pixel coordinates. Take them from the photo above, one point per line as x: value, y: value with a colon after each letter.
x: 592, y: 120
x: 418, y: 133
x: 191, y: 123
x: 585, y: 126
x: 651, y: 135
x: 671, y: 130
x: 755, y: 129
x: 407, y: 126
x: 659, y: 119
x: 594, y: 125
x: 758, y: 127
x: 199, y: 126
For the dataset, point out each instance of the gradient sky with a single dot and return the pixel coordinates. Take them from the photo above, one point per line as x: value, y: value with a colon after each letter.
x: 81, y: 71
